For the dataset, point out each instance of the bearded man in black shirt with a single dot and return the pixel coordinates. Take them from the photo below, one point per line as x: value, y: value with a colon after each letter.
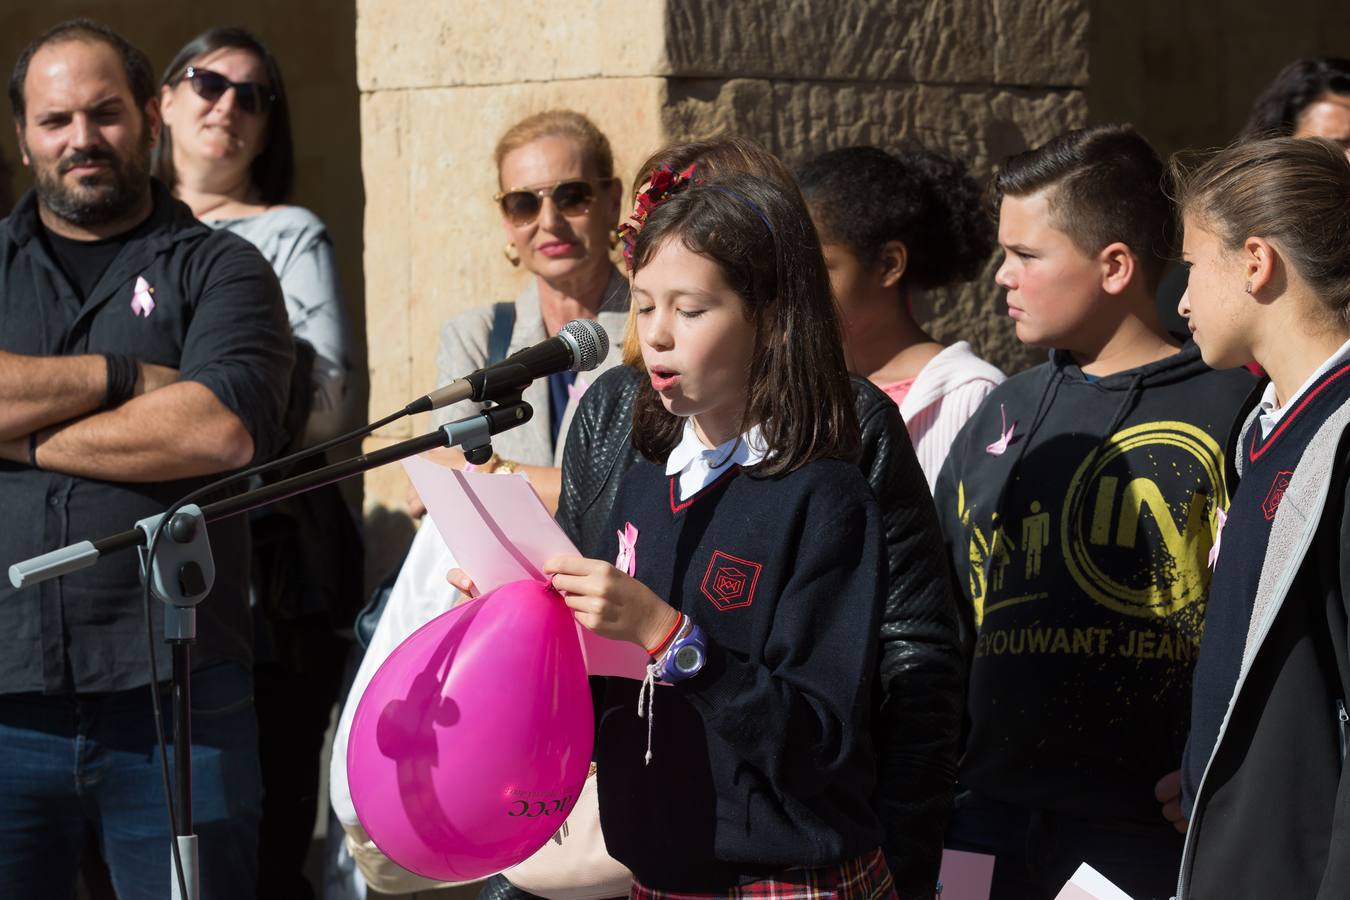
x: 141, y: 355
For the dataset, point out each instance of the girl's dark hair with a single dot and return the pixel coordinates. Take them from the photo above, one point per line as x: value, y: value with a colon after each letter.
x: 1298, y: 86
x: 1294, y: 191
x: 273, y: 171
x: 863, y: 197
x: 717, y: 156
x: 712, y: 157
x: 760, y: 235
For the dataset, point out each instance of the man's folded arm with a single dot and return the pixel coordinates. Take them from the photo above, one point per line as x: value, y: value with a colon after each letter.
x: 179, y: 431
x: 40, y: 391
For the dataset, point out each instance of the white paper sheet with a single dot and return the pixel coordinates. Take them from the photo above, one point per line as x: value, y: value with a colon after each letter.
x: 1089, y: 884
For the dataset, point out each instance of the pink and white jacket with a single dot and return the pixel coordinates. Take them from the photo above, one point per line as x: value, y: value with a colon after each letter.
x: 945, y: 393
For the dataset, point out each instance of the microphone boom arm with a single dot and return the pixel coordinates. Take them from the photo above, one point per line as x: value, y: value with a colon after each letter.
x: 473, y: 433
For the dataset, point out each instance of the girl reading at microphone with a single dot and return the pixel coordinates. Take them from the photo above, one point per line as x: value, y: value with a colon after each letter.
x: 749, y: 565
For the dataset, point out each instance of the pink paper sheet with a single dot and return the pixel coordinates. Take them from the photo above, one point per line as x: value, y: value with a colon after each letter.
x: 499, y: 531
x: 966, y: 876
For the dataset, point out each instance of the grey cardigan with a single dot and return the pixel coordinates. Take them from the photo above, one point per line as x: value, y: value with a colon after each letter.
x: 463, y: 348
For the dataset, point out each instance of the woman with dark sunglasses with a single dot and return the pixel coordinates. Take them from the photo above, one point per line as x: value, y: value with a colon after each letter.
x: 559, y: 202
x: 226, y: 151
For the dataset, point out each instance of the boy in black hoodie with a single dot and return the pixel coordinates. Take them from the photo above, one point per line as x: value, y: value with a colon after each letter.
x: 1078, y: 505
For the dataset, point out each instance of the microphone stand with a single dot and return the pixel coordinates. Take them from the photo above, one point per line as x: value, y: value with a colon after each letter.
x: 183, y: 570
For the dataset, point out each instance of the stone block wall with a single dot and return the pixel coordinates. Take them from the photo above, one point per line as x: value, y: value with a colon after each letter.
x: 441, y: 81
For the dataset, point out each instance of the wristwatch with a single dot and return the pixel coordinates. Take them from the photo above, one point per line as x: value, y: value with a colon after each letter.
x: 685, y: 657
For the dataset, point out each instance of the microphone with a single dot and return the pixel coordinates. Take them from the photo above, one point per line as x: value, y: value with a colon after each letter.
x: 579, y: 346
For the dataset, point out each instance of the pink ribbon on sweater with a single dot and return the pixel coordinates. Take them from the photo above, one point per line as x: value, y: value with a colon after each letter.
x: 626, y: 561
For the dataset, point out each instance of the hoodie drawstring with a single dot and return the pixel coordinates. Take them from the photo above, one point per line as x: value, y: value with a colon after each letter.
x: 1047, y: 399
x: 1123, y: 409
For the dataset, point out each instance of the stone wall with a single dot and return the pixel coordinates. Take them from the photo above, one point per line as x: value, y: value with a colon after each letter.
x: 440, y: 82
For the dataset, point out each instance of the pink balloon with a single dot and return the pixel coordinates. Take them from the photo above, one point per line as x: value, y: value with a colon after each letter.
x: 471, y: 743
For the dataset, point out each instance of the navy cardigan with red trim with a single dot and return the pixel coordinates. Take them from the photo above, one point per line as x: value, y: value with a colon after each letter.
x: 1271, y: 461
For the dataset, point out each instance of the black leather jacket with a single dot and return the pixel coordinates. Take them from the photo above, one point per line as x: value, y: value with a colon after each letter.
x: 922, y: 685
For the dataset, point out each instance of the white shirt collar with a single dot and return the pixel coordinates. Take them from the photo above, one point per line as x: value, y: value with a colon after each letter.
x: 699, y: 466
x: 1271, y: 414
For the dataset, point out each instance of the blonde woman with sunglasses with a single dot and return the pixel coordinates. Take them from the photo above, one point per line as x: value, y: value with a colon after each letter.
x: 559, y: 203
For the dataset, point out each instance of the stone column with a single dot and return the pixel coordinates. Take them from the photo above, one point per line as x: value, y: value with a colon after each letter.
x: 441, y: 80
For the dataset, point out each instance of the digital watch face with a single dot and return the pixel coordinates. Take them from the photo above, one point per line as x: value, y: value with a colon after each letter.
x: 688, y: 659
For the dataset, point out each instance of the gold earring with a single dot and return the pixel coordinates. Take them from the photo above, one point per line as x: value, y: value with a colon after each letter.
x: 1249, y: 287
x: 512, y: 254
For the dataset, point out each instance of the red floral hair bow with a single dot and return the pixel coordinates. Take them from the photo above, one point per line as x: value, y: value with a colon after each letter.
x: 664, y: 183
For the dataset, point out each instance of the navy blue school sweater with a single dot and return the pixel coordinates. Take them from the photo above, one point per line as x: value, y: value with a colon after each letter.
x: 762, y: 761
x: 1270, y: 463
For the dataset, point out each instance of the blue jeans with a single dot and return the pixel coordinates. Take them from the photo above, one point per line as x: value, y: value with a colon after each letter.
x: 1037, y: 851
x: 69, y: 761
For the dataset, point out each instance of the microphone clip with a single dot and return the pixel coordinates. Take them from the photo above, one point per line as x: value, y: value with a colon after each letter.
x: 474, y: 435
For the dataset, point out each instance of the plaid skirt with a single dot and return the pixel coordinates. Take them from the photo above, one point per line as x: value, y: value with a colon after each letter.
x: 865, y: 878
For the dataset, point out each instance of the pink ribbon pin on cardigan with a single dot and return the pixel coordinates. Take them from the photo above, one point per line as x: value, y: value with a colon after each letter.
x: 626, y: 561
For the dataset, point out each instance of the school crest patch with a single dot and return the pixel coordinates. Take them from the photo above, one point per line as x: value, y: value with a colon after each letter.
x: 730, y: 581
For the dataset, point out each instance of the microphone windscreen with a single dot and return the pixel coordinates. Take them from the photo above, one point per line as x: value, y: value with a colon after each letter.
x: 589, y: 341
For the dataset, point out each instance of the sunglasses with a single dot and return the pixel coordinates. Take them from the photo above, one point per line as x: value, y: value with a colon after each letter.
x: 572, y: 198
x: 211, y: 86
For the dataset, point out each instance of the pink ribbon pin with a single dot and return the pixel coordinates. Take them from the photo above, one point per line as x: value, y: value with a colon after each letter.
x: 626, y: 561
x: 142, y: 298
x: 576, y: 389
x: 1000, y: 446
x: 1218, y: 537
